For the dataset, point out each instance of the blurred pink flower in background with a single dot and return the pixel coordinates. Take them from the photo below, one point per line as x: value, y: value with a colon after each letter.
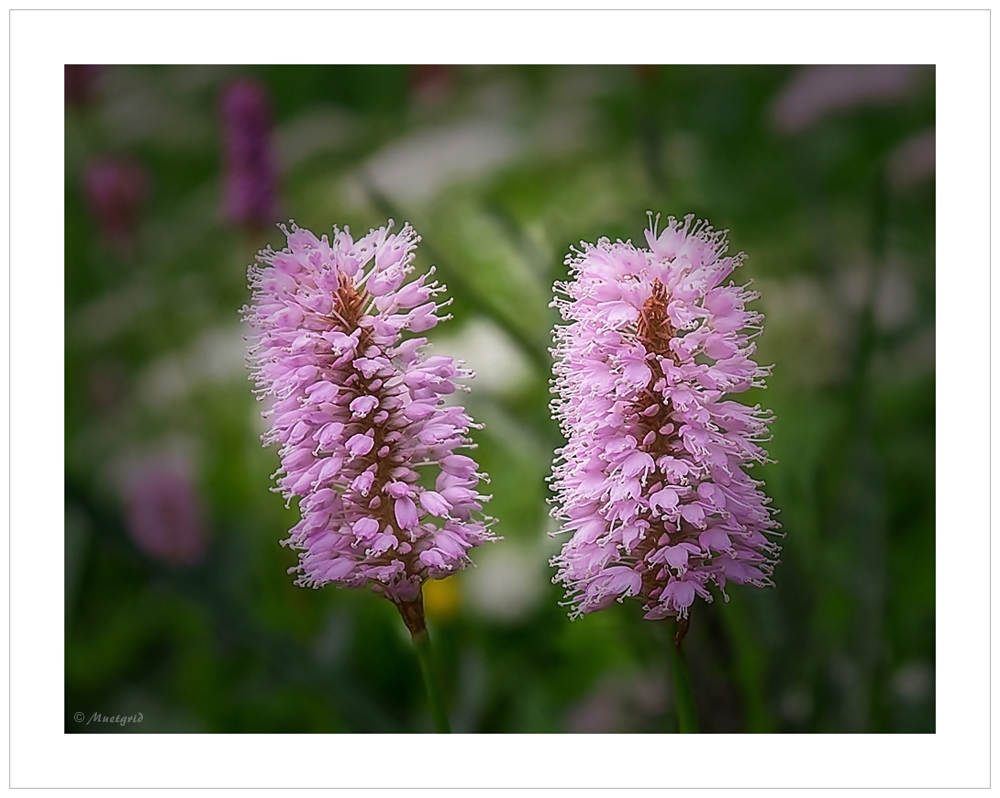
x: 620, y: 704
x: 163, y: 509
x: 116, y: 190
x: 652, y: 482
x: 432, y: 84
x: 813, y: 92
x: 79, y: 83
x: 914, y: 160
x: 250, y: 166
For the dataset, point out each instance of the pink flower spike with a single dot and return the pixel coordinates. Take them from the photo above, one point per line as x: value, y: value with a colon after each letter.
x: 652, y: 482
x: 355, y: 412
x: 251, y: 172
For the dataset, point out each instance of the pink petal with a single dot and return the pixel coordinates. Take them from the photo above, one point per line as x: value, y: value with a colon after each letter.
x: 434, y: 503
x: 359, y: 445
x: 638, y: 374
x: 365, y: 527
x: 406, y: 513
x: 681, y: 593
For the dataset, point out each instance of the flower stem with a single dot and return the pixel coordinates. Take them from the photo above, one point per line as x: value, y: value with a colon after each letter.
x: 435, y: 697
x: 687, y: 717
x: 413, y: 616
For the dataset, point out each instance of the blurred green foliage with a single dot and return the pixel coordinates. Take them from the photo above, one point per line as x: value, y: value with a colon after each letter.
x: 501, y: 170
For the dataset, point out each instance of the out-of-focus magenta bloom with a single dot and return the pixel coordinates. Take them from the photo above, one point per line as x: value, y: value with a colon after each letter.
x: 652, y: 482
x: 251, y: 173
x: 913, y: 161
x: 432, y: 84
x: 359, y: 412
x: 164, y: 512
x: 79, y: 82
x: 813, y: 92
x: 116, y: 190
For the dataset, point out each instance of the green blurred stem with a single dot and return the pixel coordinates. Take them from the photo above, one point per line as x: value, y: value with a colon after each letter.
x: 422, y: 642
x: 687, y: 718
x: 412, y: 613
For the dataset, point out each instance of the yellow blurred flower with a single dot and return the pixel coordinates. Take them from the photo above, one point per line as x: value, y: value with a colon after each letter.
x: 440, y: 597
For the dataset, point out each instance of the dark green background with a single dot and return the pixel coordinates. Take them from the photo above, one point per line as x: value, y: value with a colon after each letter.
x: 544, y: 157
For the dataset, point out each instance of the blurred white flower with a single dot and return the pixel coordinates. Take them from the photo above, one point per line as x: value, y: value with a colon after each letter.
x: 416, y: 167
x: 507, y: 582
x: 499, y: 365
x: 913, y: 682
x: 217, y: 355
x: 896, y: 300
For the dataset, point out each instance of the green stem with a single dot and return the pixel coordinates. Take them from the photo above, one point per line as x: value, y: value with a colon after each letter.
x: 687, y: 717
x: 435, y: 697
x: 412, y: 613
